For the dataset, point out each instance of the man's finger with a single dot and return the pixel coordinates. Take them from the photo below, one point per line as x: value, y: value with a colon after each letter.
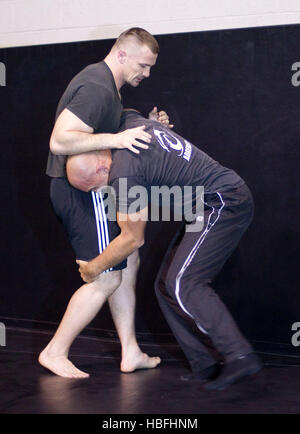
x: 143, y: 136
x: 162, y: 114
x: 141, y: 145
x: 153, y: 111
x: 142, y: 127
x: 140, y: 130
x: 132, y: 149
x: 143, y: 139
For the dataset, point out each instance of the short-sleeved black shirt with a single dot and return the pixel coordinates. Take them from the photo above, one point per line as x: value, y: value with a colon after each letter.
x: 93, y: 97
x: 170, y: 161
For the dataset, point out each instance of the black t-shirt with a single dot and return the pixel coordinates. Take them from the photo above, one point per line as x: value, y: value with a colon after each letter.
x: 93, y: 97
x: 170, y: 161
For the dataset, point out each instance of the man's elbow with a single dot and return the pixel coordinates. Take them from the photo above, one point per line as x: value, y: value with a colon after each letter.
x: 55, y: 146
x: 139, y: 242
x: 135, y: 242
x: 59, y: 142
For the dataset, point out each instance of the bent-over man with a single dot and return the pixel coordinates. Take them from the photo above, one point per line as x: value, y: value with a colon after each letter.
x: 183, y: 286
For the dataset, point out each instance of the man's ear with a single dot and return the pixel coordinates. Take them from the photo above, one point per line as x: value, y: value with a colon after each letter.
x: 102, y: 170
x: 122, y: 56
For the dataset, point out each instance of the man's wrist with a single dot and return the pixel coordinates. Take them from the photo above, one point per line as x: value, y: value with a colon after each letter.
x: 106, y: 141
x: 94, y: 268
x: 112, y: 141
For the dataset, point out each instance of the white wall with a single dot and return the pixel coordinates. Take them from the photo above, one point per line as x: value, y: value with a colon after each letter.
x: 35, y: 22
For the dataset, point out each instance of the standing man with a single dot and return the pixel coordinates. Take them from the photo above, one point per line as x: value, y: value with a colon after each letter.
x: 198, y: 253
x: 87, y: 119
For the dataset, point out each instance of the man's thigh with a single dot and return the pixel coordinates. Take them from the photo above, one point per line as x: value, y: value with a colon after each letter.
x: 83, y: 217
x: 202, y: 254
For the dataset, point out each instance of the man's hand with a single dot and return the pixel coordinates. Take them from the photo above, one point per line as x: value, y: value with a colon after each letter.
x: 86, y: 271
x: 161, y: 117
x: 129, y: 138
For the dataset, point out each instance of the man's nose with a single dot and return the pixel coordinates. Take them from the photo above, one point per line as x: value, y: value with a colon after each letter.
x: 146, y: 73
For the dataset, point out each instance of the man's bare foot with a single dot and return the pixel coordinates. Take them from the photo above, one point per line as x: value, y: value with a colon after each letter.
x: 60, y: 365
x: 141, y: 361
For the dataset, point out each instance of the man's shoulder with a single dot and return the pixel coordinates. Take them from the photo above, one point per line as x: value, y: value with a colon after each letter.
x: 96, y: 76
x: 121, y: 166
x: 122, y: 157
x: 93, y: 69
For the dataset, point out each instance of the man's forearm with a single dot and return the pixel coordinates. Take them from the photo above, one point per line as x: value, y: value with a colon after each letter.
x: 77, y: 142
x: 130, y: 239
x: 118, y: 250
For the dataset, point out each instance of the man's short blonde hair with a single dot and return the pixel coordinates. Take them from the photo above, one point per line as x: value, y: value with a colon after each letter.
x: 142, y: 36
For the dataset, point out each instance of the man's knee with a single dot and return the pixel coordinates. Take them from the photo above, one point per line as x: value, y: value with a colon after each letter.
x: 186, y: 283
x: 108, y: 282
x: 166, y: 284
x: 133, y: 261
x: 130, y: 272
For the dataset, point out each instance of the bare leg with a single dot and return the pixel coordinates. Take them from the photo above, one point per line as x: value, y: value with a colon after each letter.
x: 122, y: 306
x: 82, y: 309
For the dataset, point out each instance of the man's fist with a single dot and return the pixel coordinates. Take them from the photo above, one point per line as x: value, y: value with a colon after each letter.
x: 161, y: 117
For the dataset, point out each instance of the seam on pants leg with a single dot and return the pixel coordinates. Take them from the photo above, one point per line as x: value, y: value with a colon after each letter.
x: 191, y: 256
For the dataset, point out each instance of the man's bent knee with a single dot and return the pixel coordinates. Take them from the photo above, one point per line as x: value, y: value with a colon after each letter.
x: 108, y: 282
x: 133, y: 260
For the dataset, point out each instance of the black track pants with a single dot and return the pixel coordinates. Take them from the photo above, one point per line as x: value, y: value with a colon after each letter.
x: 191, y: 262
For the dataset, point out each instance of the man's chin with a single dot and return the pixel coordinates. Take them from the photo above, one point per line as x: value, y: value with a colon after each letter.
x: 135, y: 83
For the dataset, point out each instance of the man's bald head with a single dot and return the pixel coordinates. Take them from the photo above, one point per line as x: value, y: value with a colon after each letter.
x: 89, y: 171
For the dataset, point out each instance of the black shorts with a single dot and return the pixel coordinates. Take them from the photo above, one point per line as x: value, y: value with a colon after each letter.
x: 84, y: 218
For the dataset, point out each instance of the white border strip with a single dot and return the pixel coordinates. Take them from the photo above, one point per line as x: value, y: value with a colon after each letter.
x: 77, y: 34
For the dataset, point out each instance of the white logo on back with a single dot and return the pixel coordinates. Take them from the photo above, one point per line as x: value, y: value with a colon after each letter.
x: 167, y: 141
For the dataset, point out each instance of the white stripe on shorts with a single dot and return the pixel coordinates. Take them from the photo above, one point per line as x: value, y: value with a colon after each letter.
x: 101, y: 222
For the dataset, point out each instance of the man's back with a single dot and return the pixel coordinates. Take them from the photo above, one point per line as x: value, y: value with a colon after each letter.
x: 170, y: 161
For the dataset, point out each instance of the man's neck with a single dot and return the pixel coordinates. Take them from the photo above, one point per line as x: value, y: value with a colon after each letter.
x: 110, y: 62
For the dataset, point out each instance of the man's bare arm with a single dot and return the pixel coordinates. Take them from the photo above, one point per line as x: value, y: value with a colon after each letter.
x: 131, y: 238
x: 71, y: 135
